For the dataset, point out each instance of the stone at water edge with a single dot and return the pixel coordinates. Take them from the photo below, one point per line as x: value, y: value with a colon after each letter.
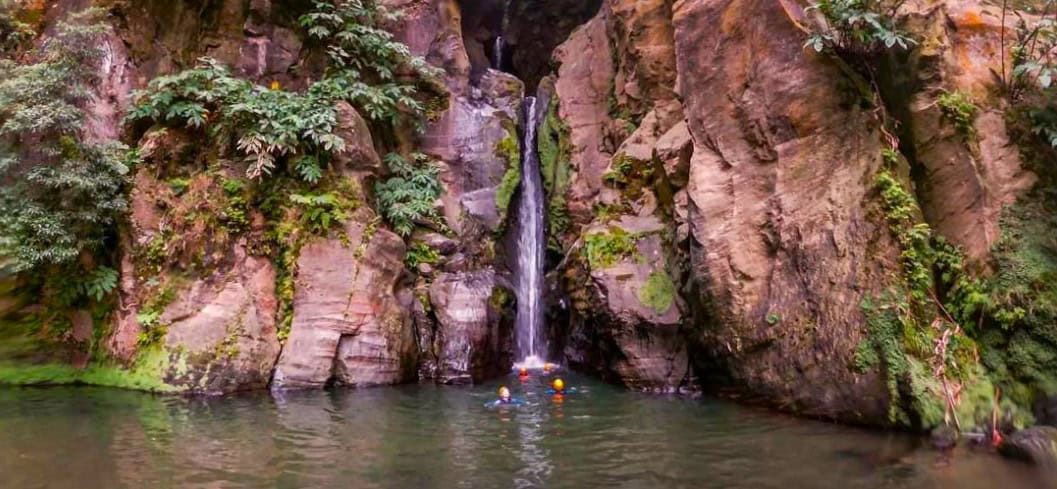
x: 1037, y: 445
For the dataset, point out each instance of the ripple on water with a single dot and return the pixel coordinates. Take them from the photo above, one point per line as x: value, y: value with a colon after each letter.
x: 433, y: 437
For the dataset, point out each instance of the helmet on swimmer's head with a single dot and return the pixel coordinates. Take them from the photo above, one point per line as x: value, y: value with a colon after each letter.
x: 547, y: 367
x: 504, y: 393
x: 523, y: 371
x: 558, y: 385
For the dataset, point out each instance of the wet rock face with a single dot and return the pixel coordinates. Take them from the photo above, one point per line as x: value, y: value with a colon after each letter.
x: 349, y: 324
x: 466, y: 139
x: 784, y: 246
x: 630, y: 316
x: 473, y: 336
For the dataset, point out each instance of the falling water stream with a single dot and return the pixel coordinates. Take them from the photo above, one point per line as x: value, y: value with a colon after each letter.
x: 530, y: 344
x: 497, y: 53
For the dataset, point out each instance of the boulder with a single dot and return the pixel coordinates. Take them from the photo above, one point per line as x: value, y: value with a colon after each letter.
x: 349, y: 325
x: 473, y: 337
x: 359, y: 156
x: 630, y: 310
x: 1037, y: 445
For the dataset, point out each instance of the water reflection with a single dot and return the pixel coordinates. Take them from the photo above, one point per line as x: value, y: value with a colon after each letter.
x: 426, y: 437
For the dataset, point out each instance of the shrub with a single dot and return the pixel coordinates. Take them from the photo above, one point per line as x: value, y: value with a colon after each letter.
x: 320, y: 211
x: 61, y: 194
x: 857, y: 30
x: 272, y: 126
x: 13, y: 33
x: 409, y: 197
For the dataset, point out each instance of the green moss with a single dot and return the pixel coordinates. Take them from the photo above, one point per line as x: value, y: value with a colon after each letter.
x: 658, y: 293
x: 959, y: 110
x: 555, y: 152
x: 146, y: 374
x: 501, y: 298
x: 508, y: 149
x: 902, y: 212
x: 1021, y: 348
x: 606, y: 249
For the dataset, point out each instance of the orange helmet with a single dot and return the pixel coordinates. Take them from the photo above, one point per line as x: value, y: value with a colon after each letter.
x: 523, y: 371
x: 547, y: 367
x: 558, y: 385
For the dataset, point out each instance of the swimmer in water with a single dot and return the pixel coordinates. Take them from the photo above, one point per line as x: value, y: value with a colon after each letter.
x: 558, y: 386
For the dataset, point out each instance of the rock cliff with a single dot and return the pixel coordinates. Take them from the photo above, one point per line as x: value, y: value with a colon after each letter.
x: 853, y: 232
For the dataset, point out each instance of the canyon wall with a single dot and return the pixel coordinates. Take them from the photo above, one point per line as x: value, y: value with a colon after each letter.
x: 717, y: 212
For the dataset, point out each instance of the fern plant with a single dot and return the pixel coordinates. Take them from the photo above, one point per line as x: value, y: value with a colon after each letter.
x: 272, y: 126
x: 409, y: 197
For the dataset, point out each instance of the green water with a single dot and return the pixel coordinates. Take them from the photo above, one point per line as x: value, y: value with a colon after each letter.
x: 436, y: 437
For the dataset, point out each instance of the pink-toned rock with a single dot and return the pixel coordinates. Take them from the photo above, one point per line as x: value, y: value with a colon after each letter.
x: 624, y: 332
x: 969, y: 178
x: 359, y: 156
x: 584, y: 79
x: 472, y: 341
x: 223, y: 328
x: 784, y: 244
x: 348, y: 324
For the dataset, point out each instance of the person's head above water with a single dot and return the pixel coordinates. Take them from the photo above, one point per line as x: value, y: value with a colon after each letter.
x: 523, y: 371
x: 547, y: 367
x: 504, y: 393
x: 558, y: 385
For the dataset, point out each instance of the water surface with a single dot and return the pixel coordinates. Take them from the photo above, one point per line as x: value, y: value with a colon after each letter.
x: 438, y: 437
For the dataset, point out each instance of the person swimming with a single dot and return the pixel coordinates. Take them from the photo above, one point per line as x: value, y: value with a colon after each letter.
x: 557, y: 387
x: 505, y: 399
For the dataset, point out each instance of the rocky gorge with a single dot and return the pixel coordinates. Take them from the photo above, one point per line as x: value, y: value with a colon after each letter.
x: 859, y: 234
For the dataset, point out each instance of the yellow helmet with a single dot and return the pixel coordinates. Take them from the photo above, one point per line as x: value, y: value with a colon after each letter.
x: 558, y: 385
x: 504, y: 392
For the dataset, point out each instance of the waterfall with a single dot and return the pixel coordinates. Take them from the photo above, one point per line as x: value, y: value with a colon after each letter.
x: 497, y: 53
x: 529, y: 324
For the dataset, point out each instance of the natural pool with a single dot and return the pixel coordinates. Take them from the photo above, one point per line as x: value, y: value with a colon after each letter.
x: 422, y: 436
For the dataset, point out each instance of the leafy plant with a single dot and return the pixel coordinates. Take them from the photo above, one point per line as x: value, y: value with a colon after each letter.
x: 13, y: 33
x: 99, y: 283
x: 320, y: 211
x: 273, y: 126
x: 857, y: 29
x: 409, y: 197
x: 959, y: 109
x: 367, y: 58
x: 61, y: 194
x: 420, y: 253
